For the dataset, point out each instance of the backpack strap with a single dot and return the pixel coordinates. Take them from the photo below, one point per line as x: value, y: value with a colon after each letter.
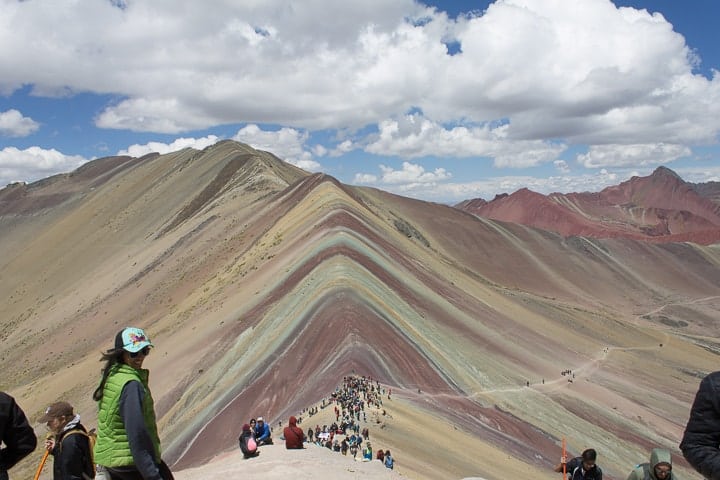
x: 73, y: 432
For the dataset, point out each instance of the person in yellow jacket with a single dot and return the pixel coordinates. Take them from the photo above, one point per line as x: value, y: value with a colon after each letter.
x: 128, y: 445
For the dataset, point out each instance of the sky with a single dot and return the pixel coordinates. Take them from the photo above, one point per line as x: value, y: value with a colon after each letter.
x: 442, y: 101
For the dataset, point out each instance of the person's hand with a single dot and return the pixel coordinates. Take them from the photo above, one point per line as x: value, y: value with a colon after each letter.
x: 49, y: 444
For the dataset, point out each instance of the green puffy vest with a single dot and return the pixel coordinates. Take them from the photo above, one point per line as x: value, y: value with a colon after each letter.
x: 112, y: 448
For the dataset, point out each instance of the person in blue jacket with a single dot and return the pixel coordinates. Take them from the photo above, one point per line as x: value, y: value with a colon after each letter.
x: 389, y: 460
x: 263, y: 435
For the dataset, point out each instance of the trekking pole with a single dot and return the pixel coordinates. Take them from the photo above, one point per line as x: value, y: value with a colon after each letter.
x: 42, y: 464
x: 563, y: 460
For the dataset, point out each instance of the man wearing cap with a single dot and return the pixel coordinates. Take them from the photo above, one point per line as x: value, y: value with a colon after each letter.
x: 263, y: 432
x: 128, y: 444
x: 68, y: 444
x: 16, y: 434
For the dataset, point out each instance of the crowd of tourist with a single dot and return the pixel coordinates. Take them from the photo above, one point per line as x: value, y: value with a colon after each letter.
x: 348, y: 434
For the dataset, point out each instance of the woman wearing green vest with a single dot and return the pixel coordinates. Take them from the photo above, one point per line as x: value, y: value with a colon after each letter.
x: 128, y: 445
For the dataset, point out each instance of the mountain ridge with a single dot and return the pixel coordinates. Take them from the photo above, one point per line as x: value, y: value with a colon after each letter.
x: 658, y: 208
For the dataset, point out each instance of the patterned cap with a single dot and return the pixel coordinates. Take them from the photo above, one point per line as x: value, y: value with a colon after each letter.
x: 132, y: 340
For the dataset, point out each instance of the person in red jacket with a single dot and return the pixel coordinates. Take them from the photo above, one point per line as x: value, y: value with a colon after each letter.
x: 293, y: 434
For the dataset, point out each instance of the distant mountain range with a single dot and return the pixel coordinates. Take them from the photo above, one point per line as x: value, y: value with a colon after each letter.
x: 661, y: 207
x: 262, y: 285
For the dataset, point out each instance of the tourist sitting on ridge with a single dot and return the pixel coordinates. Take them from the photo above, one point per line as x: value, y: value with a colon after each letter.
x: 367, y: 453
x: 293, y: 434
x: 248, y: 445
x: 389, y: 460
x: 263, y: 435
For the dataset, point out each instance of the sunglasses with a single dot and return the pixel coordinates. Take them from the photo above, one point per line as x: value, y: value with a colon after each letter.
x: 663, y: 471
x: 145, y: 352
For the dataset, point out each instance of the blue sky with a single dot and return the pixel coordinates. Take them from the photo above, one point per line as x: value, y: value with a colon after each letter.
x: 441, y: 101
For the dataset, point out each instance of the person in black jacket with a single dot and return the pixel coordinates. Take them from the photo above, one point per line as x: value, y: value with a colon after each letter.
x: 701, y: 440
x: 15, y: 433
x: 582, y: 467
x: 69, y: 443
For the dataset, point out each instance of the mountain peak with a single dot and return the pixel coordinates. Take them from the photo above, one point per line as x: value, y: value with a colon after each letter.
x: 665, y: 172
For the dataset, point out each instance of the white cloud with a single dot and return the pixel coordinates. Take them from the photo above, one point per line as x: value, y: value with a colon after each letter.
x: 632, y: 155
x: 319, y: 150
x: 365, y: 178
x: 488, y: 188
x: 585, y: 73
x: 14, y: 124
x: 562, y: 166
x: 287, y: 143
x: 452, y: 192
x: 163, y: 148
x: 343, y: 147
x: 412, y: 136
x: 34, y: 163
x: 532, y: 79
x: 413, y: 173
x: 410, y: 174
x: 161, y: 115
x: 700, y: 174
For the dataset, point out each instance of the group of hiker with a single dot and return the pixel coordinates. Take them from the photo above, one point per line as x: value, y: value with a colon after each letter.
x: 328, y: 438
x: 254, y: 434
x: 126, y: 445
x: 348, y: 402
